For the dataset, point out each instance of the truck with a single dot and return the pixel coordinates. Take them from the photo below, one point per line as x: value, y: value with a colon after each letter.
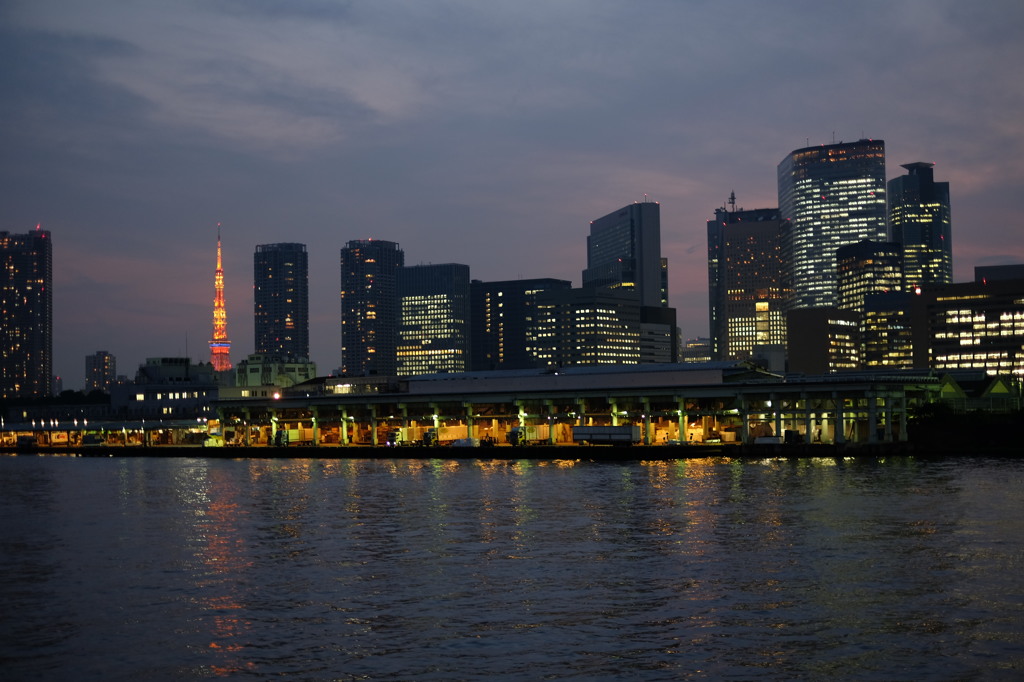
x: 527, y: 435
x: 618, y: 435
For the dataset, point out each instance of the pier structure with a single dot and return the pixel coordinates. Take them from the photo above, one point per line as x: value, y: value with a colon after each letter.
x: 711, y: 403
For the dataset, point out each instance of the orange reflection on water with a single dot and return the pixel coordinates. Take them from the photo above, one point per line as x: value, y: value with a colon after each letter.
x: 224, y: 557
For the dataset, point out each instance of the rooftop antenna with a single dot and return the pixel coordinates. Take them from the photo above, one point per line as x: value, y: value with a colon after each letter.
x: 732, y: 201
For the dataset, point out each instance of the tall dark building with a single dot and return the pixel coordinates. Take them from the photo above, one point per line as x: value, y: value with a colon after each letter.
x: 26, y: 314
x: 624, y: 252
x: 745, y: 284
x: 504, y: 318
x: 919, y: 217
x: 281, y: 299
x: 370, y: 311
x: 433, y: 334
x: 833, y: 195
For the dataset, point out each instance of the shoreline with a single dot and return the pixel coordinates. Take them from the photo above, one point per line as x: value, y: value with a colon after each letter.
x: 530, y: 452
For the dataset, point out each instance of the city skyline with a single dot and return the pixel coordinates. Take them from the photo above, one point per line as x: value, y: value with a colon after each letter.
x: 493, y: 146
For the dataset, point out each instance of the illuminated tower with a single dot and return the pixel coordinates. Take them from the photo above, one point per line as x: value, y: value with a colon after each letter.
x: 220, y: 347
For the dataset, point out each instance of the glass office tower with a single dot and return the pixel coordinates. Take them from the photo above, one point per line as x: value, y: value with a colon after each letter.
x: 832, y: 195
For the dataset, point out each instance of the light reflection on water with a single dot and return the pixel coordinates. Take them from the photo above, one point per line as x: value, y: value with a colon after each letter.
x: 443, y: 569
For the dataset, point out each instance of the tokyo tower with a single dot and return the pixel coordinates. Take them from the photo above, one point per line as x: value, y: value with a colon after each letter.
x: 220, y: 347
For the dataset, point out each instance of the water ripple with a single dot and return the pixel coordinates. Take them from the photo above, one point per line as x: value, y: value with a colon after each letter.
x: 460, y: 570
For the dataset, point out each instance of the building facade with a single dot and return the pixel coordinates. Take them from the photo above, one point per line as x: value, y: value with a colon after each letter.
x: 100, y: 371
x: 433, y: 334
x: 503, y: 322
x: 262, y: 375
x: 167, y: 389
x: 972, y: 325
x: 624, y: 252
x: 867, y: 267
x: 745, y: 284
x: 919, y: 218
x: 582, y: 327
x: 370, y: 312
x: 832, y: 195
x: 26, y: 314
x: 823, y: 340
x: 281, y: 299
x: 886, y: 333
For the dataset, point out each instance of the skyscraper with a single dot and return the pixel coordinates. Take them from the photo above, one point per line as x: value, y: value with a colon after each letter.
x: 745, y: 284
x: 281, y: 299
x: 919, y: 217
x: 220, y: 347
x: 369, y: 307
x: 433, y: 335
x: 504, y: 317
x: 100, y: 371
x: 26, y: 314
x: 833, y: 195
x: 624, y: 252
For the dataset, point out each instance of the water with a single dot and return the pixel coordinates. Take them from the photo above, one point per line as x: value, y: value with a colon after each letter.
x: 178, y: 569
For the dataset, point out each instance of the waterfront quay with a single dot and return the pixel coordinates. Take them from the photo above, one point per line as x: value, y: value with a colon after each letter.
x: 713, y: 404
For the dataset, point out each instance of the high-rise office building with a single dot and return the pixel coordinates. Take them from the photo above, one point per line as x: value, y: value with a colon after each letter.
x: 972, y: 325
x: 504, y: 318
x: 745, y: 284
x: 588, y: 326
x: 832, y: 195
x: 220, y: 347
x: 26, y: 314
x: 433, y: 334
x: 886, y: 333
x: 624, y: 252
x: 370, y: 310
x: 281, y: 299
x: 100, y: 371
x: 867, y: 267
x: 624, y: 256
x: 919, y: 218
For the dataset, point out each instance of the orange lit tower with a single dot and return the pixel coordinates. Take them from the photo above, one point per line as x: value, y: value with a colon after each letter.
x: 220, y: 347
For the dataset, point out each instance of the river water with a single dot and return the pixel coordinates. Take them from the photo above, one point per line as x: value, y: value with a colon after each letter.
x: 703, y: 569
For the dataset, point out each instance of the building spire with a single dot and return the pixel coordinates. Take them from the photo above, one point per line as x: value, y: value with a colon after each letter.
x: 220, y: 347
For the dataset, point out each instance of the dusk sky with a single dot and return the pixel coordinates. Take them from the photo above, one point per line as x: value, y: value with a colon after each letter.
x: 484, y: 133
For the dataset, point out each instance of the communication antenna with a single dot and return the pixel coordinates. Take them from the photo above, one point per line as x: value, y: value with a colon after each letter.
x: 732, y: 201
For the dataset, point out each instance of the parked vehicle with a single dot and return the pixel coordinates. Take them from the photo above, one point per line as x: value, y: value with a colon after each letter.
x: 621, y: 435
